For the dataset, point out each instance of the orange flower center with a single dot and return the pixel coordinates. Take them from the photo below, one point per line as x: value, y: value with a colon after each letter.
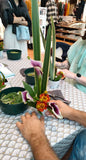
x: 41, y: 106
x: 44, y: 98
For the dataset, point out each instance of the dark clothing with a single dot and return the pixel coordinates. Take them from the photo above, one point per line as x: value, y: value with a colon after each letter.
x: 43, y: 3
x: 79, y: 10
x: 7, y: 11
x: 65, y: 48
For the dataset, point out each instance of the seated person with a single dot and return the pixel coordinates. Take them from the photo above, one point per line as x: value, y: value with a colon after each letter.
x: 33, y: 131
x: 74, y: 67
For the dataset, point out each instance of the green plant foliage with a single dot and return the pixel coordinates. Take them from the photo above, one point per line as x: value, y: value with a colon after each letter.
x: 12, y: 98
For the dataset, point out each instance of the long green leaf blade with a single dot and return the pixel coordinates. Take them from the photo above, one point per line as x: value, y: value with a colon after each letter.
x: 46, y: 61
x: 52, y: 61
x: 35, y: 30
x: 54, y: 48
x: 43, y: 39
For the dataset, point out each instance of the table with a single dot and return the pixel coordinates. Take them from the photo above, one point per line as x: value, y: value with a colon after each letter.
x: 60, y: 133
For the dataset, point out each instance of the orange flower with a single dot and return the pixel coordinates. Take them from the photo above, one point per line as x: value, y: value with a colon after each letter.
x: 44, y: 97
x: 41, y: 106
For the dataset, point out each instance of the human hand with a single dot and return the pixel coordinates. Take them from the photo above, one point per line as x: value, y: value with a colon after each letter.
x: 31, y: 127
x: 68, y: 74
x: 20, y: 20
x: 64, y: 108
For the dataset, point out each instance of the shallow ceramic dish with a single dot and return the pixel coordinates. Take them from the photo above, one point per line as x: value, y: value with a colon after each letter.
x: 12, y: 109
x: 14, y: 54
x: 30, y: 76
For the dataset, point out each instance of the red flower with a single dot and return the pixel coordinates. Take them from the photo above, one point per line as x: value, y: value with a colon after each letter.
x: 44, y: 97
x: 2, y: 83
x: 41, y: 106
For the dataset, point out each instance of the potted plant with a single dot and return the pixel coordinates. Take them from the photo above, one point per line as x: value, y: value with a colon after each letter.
x: 10, y: 98
x: 38, y: 97
x: 54, y: 76
x: 11, y: 101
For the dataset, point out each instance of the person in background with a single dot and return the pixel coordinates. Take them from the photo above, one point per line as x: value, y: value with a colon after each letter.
x: 14, y: 13
x: 79, y: 10
x: 52, y: 11
x: 33, y: 131
x: 74, y: 67
x: 29, y: 7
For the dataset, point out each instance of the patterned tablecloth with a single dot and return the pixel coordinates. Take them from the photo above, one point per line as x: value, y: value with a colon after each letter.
x: 60, y: 133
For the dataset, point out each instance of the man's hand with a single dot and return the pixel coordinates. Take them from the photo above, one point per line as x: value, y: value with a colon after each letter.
x: 31, y: 127
x: 64, y: 108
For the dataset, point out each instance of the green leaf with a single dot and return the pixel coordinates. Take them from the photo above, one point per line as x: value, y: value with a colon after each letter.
x: 36, y: 38
x: 57, y: 78
x: 12, y: 98
x: 35, y: 30
x: 46, y: 61
x: 29, y: 89
x: 31, y: 104
x: 43, y: 39
x: 40, y: 113
x: 52, y: 64
x: 3, y: 77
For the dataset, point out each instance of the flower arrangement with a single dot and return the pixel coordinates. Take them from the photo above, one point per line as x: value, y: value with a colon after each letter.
x: 38, y: 97
x: 1, y: 45
x: 2, y: 80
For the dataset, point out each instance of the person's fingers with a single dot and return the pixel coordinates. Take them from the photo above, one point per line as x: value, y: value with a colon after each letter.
x: 23, y: 119
x: 22, y: 18
x: 34, y: 114
x: 27, y: 115
x: 19, y: 125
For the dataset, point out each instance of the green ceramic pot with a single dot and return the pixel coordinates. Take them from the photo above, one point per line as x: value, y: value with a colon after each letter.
x: 14, y: 54
x: 30, y: 76
x: 12, y: 109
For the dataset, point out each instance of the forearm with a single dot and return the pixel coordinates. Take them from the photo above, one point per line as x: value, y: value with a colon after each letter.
x: 41, y: 149
x: 63, y: 65
x: 81, y: 80
x: 78, y: 116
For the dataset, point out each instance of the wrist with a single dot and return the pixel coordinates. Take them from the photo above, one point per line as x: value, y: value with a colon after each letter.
x: 36, y: 139
x: 70, y: 114
x: 39, y: 141
x: 74, y: 77
x: 77, y: 76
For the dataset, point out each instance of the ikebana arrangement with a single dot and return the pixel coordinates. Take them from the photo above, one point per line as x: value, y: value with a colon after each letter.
x: 38, y: 97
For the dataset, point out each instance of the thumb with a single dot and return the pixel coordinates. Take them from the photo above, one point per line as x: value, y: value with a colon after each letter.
x: 19, y: 125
